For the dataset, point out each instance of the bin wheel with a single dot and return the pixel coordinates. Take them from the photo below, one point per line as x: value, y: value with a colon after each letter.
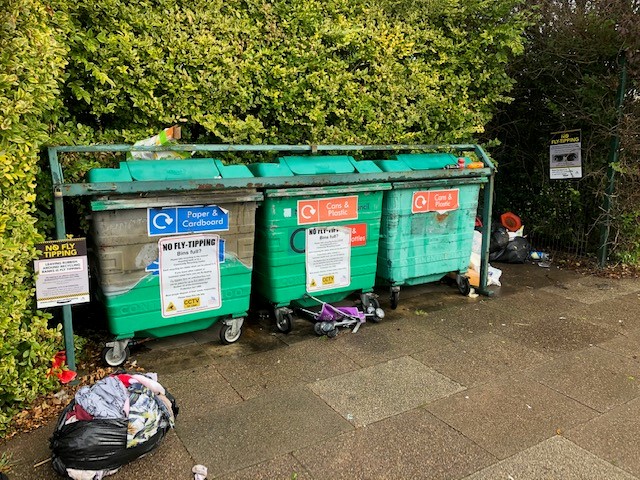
x: 284, y: 322
x: 464, y: 286
x: 108, y: 356
x: 395, y: 297
x: 227, y: 336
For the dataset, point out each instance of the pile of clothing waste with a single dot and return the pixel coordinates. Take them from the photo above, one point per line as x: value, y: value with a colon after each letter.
x: 109, y: 424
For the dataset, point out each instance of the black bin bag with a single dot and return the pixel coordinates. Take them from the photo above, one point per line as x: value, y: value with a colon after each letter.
x: 98, y: 444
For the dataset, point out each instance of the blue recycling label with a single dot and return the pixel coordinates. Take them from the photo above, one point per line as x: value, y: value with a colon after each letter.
x: 175, y: 220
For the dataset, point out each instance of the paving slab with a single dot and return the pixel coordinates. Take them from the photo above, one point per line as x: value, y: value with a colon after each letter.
x: 591, y: 289
x: 508, y: 415
x: 613, y: 436
x: 533, y: 301
x: 297, y: 364
x: 628, y: 345
x: 480, y: 359
x: 555, y: 458
x: 615, y: 314
x: 28, y: 449
x: 594, y: 377
x: 387, y: 340
x: 413, y: 444
x: 371, y: 394
x: 199, y: 391
x: 521, y: 278
x: 553, y: 332
x: 465, y: 322
x: 259, y: 429
x: 165, y: 361
x: 285, y: 467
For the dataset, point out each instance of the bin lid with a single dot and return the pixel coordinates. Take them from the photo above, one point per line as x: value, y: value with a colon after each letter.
x: 121, y: 174
x: 327, y: 165
x: 427, y: 161
x: 147, y: 170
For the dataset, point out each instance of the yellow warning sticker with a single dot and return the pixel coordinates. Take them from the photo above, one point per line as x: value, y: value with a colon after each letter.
x: 191, y: 302
x: 328, y: 280
x: 171, y: 307
x: 313, y: 283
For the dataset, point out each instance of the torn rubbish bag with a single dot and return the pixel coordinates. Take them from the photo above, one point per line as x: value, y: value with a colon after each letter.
x: 110, y: 424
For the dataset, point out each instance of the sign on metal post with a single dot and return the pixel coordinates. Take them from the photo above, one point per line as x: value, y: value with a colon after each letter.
x: 565, y: 155
x: 195, y: 219
x: 62, y: 276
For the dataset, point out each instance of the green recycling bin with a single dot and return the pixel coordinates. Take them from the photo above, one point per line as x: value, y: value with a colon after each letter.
x: 427, y: 225
x: 172, y: 263
x: 317, y: 243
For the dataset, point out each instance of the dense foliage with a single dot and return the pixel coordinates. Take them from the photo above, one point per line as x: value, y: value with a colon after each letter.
x: 240, y: 71
x: 31, y: 65
x: 568, y: 79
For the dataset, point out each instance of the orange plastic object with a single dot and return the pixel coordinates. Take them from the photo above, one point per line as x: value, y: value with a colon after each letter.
x: 510, y: 221
x: 475, y: 165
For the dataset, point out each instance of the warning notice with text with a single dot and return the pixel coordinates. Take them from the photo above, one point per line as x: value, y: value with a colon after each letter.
x: 189, y: 274
x: 62, y: 274
x: 328, y: 258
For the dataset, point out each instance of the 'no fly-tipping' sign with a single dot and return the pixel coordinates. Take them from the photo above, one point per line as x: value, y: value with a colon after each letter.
x: 62, y: 276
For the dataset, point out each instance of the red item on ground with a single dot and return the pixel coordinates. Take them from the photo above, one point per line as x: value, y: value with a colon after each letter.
x: 510, y: 221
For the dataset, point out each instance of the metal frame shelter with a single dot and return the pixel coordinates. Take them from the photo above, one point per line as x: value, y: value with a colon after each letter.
x: 61, y: 189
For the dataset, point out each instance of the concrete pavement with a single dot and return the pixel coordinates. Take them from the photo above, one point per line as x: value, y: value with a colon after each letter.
x: 540, y: 381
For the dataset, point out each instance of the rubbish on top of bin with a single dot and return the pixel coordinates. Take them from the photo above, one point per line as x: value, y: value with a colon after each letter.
x: 168, y: 136
x: 511, y: 221
x: 109, y: 424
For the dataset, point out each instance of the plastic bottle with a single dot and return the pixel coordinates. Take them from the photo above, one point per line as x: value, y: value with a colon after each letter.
x: 535, y: 255
x: 461, y: 162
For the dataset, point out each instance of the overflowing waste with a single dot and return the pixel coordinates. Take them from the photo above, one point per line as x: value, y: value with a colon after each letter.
x: 107, y: 425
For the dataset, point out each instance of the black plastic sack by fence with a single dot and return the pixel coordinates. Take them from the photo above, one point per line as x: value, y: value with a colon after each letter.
x: 498, y: 240
x: 516, y: 251
x: 98, y: 444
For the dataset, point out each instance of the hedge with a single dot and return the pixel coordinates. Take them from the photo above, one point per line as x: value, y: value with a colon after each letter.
x: 32, y: 65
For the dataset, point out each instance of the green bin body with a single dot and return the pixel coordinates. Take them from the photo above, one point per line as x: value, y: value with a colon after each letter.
x: 129, y: 284
x: 280, y: 271
x: 422, y: 246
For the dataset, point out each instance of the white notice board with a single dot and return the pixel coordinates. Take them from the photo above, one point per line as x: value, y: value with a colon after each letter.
x: 189, y: 274
x: 328, y: 258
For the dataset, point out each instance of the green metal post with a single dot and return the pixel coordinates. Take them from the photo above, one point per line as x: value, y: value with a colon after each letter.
x: 605, y: 228
x: 486, y: 224
x: 61, y: 233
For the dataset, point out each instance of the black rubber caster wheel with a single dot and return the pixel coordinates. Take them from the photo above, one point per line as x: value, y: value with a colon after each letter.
x: 464, y: 287
x: 395, y: 298
x: 284, y: 323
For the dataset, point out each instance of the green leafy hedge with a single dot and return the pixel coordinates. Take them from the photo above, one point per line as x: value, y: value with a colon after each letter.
x: 239, y: 71
x: 31, y: 64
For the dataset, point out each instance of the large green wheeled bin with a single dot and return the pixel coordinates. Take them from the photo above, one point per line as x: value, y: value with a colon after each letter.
x: 172, y: 263
x: 427, y: 225
x: 317, y: 243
